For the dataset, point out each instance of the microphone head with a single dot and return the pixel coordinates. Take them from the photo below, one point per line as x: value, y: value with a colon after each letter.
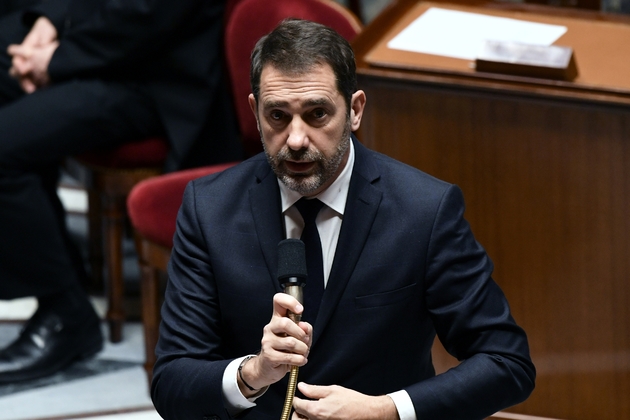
x: 291, y: 262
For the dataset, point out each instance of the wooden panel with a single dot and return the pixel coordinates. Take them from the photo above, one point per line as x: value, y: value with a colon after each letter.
x: 515, y: 416
x: 543, y: 167
x: 548, y: 191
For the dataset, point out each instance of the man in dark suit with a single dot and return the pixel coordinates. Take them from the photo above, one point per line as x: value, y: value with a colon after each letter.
x: 82, y: 75
x: 399, y: 264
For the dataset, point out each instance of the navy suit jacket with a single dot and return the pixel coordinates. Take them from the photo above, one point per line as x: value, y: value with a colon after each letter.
x: 406, y: 266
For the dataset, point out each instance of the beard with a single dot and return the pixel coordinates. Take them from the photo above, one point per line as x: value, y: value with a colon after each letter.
x: 325, y: 168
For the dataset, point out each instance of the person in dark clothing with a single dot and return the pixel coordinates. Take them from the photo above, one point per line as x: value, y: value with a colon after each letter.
x: 391, y: 263
x: 84, y: 75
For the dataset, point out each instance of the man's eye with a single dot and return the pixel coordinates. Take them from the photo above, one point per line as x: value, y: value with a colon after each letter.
x: 319, y: 113
x: 276, y: 115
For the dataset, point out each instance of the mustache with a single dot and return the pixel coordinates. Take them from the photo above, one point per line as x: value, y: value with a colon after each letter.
x: 302, y: 154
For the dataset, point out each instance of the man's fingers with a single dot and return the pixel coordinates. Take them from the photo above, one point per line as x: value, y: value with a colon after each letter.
x: 27, y: 85
x: 300, y: 407
x: 20, y: 68
x: 42, y: 33
x: 283, y: 302
x: 285, y: 343
x: 11, y: 49
x: 284, y: 326
x: 279, y: 359
x: 19, y: 50
x: 284, y: 338
x: 20, y: 65
x: 314, y: 392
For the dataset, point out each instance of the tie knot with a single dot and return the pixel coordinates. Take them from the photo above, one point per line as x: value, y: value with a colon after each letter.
x: 309, y: 208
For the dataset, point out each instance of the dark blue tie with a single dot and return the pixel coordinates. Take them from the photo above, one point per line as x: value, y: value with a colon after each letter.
x: 314, y: 288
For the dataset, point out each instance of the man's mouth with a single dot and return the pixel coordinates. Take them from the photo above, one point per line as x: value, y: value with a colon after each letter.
x: 299, y: 167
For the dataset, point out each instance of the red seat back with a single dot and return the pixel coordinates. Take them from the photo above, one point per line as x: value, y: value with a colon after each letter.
x: 153, y: 203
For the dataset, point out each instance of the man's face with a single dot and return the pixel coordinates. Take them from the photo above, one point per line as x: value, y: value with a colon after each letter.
x: 305, y: 126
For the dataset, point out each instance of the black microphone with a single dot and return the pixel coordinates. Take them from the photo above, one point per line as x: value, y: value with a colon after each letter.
x: 292, y: 270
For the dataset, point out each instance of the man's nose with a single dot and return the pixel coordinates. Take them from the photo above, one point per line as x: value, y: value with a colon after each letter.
x: 298, y: 134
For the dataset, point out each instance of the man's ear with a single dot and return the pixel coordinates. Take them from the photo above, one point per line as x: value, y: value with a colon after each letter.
x: 357, y: 104
x: 252, y: 105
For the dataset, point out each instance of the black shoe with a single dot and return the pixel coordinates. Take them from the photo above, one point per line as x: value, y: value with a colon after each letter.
x: 46, y: 345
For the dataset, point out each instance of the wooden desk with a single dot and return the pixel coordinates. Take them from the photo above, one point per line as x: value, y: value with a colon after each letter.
x: 545, y: 169
x: 515, y: 416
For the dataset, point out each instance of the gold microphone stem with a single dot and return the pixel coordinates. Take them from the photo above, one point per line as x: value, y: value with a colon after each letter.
x: 288, y: 401
x: 296, y: 292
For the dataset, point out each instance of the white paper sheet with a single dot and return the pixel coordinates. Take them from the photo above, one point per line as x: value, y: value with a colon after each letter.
x: 458, y: 34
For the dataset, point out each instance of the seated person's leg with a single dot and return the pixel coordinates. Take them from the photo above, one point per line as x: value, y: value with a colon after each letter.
x: 38, y: 131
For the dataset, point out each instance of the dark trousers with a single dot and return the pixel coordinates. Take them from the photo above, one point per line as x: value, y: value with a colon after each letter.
x: 37, y: 131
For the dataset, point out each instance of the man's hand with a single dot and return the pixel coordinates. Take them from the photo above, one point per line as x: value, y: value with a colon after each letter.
x: 30, y: 59
x: 42, y: 33
x: 284, y: 344
x: 339, y: 403
x: 30, y: 65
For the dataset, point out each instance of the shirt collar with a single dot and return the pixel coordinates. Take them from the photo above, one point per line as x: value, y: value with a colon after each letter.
x: 334, y: 196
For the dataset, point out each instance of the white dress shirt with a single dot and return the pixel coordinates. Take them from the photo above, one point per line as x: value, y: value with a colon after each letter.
x: 328, y: 225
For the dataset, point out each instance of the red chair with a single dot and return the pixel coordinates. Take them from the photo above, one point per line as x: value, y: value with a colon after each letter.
x: 153, y: 204
x: 108, y: 178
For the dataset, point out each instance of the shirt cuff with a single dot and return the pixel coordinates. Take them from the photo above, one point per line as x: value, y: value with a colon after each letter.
x: 404, y: 405
x: 235, y: 401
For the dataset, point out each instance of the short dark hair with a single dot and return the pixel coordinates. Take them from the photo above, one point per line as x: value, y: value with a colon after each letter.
x: 296, y: 46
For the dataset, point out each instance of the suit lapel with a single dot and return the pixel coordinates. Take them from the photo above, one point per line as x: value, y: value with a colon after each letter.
x: 264, y: 200
x: 361, y: 208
